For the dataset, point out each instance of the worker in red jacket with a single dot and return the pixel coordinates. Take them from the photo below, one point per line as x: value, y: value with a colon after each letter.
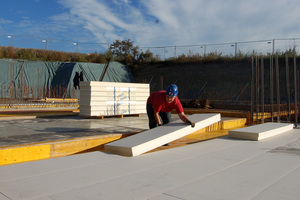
x: 161, y: 103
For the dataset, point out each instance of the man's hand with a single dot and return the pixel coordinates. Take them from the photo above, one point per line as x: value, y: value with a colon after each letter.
x: 190, y: 123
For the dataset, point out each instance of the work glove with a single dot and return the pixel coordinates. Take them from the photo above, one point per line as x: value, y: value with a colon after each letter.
x: 191, y: 123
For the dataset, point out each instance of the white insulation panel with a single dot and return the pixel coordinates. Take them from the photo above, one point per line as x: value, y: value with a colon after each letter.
x: 261, y: 131
x: 153, y: 138
x: 112, y: 98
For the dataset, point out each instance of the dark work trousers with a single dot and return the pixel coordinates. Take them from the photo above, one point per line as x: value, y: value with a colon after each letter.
x: 165, y: 116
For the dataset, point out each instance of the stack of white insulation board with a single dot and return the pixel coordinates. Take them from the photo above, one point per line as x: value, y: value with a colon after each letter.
x: 112, y: 98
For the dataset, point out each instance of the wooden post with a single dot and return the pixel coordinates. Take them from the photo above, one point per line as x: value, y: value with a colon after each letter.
x: 162, y: 82
x: 104, y: 70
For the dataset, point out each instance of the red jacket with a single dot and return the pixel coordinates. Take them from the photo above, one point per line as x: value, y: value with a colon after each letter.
x: 159, y: 103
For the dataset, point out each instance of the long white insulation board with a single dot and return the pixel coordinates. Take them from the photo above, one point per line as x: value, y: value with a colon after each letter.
x: 153, y: 138
x: 261, y: 131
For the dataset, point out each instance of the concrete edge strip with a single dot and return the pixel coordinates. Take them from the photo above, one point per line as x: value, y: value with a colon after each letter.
x: 31, y: 152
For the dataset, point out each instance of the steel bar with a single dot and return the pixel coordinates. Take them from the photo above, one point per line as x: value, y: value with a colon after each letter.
x: 257, y: 88
x: 287, y: 73
x: 277, y: 88
x: 271, y: 87
x: 295, y: 89
x: 252, y: 91
x: 262, y: 91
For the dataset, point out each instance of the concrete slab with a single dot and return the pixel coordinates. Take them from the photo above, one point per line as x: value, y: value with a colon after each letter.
x: 261, y: 131
x: 217, y: 169
x: 153, y: 138
x: 41, y: 127
x: 36, y: 130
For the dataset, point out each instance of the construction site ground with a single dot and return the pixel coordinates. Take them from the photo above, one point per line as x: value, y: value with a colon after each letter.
x: 29, y: 134
x: 204, y: 165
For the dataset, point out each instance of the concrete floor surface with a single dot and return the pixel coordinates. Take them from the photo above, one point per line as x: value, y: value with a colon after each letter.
x: 27, y: 130
x: 220, y: 168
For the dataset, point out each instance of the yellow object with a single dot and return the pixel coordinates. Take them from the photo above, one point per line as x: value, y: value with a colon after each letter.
x: 24, y: 154
x: 18, y: 154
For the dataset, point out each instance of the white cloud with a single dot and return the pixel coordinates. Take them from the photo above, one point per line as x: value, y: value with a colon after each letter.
x: 177, y: 22
x: 4, y: 21
x: 98, y: 18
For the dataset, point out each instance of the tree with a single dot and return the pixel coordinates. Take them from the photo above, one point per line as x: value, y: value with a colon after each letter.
x: 146, y: 57
x: 124, y: 49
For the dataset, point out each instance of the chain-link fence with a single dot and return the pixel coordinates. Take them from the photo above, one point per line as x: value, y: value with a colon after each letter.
x: 23, y: 41
x: 231, y: 49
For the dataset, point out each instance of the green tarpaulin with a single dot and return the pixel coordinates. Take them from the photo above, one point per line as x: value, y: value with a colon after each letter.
x: 36, y: 79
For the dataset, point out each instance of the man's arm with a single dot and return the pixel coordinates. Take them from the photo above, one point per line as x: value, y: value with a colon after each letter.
x: 184, y: 118
x: 157, y: 118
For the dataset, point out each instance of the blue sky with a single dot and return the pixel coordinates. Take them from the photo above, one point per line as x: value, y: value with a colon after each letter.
x: 148, y: 23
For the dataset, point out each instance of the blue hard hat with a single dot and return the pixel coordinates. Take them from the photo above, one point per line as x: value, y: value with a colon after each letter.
x: 172, y: 90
